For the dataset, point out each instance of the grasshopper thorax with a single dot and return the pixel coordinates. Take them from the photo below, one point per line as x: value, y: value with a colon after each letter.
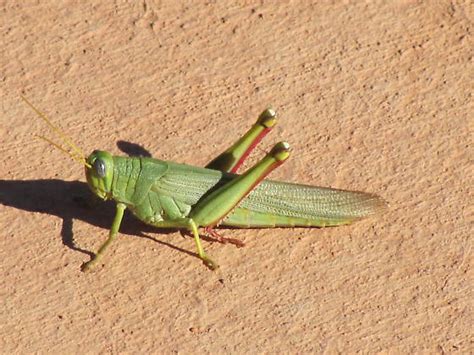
x: 100, y: 173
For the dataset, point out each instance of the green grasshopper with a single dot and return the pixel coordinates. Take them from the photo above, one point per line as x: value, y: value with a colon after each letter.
x: 165, y: 194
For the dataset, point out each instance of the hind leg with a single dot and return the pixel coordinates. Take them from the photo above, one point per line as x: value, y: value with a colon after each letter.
x: 231, y: 159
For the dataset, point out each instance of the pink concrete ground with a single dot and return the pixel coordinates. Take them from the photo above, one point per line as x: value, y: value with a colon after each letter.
x: 372, y: 96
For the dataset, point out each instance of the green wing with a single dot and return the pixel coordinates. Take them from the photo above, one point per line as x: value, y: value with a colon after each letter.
x: 275, y: 203
x: 271, y: 203
x: 188, y: 184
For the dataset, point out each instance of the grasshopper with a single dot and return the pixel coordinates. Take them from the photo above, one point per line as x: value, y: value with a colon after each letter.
x: 166, y: 194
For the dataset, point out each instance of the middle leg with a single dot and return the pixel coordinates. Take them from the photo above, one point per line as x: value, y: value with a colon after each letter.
x: 210, y: 211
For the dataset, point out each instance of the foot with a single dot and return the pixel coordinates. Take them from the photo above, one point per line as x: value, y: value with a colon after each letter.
x: 89, y: 265
x: 212, y: 265
x: 211, y: 232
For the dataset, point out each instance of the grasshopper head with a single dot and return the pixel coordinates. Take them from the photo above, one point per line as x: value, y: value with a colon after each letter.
x: 99, y: 165
x: 99, y: 173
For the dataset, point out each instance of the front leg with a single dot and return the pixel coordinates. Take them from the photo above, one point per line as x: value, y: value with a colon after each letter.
x: 231, y: 159
x: 112, y: 235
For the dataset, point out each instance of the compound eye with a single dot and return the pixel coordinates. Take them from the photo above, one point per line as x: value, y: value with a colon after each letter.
x: 99, y: 168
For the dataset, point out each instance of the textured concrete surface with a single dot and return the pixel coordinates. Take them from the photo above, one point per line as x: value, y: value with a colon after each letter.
x: 373, y: 96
